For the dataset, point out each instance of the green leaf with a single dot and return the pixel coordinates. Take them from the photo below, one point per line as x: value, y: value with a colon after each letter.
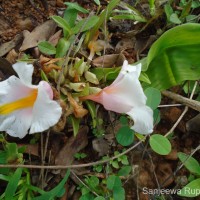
x: 115, y: 164
x: 43, y: 76
x: 125, y: 136
x: 75, y: 124
x: 174, y: 57
x: 103, y: 18
x: 70, y: 15
x: 92, y: 109
x: 160, y: 144
x: 85, y: 24
x: 97, y: 2
x: 113, y: 182
x: 93, y: 181
x: 54, y: 192
x: 13, y: 184
x: 156, y: 116
x: 47, y: 48
x: 191, y: 189
x: 130, y: 17
x: 190, y: 163
x: 124, y: 171
x: 99, y: 198
x: 62, y: 47
x: 62, y: 23
x: 76, y: 7
x: 119, y: 193
x: 123, y: 120
x: 174, y: 19
x: 153, y: 97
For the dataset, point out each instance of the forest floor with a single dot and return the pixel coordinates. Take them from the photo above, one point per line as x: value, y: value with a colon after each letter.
x: 130, y: 41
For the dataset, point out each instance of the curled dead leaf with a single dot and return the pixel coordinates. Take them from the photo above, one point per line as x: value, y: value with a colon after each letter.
x: 109, y: 60
x: 79, y: 111
x: 40, y: 33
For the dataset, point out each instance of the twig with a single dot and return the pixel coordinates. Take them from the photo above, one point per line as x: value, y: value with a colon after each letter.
x: 72, y: 172
x: 169, y: 105
x: 72, y: 166
x: 182, y: 164
x: 183, y: 100
x: 186, y: 108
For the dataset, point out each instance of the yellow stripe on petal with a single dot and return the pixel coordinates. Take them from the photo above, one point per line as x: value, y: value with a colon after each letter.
x: 25, y: 102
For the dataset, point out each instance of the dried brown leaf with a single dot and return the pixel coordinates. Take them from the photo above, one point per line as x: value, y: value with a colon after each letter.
x: 109, y: 60
x: 40, y: 33
x: 8, y: 46
x: 79, y: 111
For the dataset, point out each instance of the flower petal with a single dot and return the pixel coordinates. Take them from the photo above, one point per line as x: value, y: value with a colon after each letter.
x: 24, y: 71
x: 46, y: 112
x: 143, y: 119
x: 12, y: 89
x: 17, y: 123
x: 122, y: 96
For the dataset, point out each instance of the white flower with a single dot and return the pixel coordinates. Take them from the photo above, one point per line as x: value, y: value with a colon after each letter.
x: 24, y: 106
x: 125, y: 95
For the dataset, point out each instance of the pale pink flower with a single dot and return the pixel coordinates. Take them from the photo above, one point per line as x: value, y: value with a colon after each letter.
x: 24, y: 106
x: 125, y: 95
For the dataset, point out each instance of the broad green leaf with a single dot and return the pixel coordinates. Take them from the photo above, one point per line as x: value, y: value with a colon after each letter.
x: 190, y: 163
x: 76, y: 7
x: 47, y: 48
x: 119, y: 193
x: 54, y: 192
x: 174, y: 57
x: 99, y: 198
x: 123, y: 120
x: 85, y: 24
x: 160, y: 144
x: 156, y: 116
x: 192, y: 189
x: 87, y: 196
x: 125, y: 136
x: 62, y: 47
x: 75, y: 124
x: 62, y: 23
x: 13, y: 184
x: 124, y: 171
x: 70, y: 15
x: 153, y: 97
x: 113, y: 182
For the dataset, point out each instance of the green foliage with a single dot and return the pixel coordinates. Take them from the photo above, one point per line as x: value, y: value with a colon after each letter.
x: 47, y: 48
x: 124, y: 171
x: 160, y: 144
x: 125, y: 136
x: 75, y: 124
x: 153, y: 97
x: 62, y: 47
x: 174, y: 57
x: 190, y: 163
x: 191, y: 189
x: 13, y: 184
x: 115, y: 185
x: 55, y: 192
x: 80, y: 156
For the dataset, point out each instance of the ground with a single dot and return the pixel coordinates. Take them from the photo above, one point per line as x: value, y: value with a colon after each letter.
x: 128, y: 40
